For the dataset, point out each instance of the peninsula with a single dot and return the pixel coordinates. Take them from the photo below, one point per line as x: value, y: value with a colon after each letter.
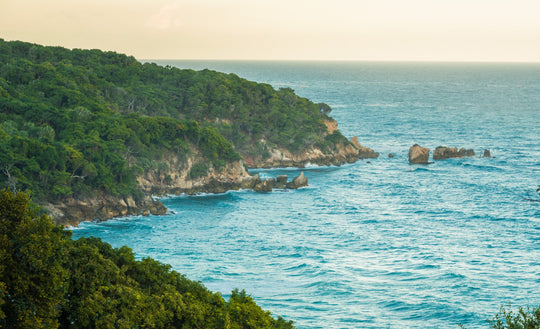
x: 94, y: 135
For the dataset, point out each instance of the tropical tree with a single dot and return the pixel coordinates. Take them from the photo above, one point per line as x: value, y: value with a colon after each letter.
x: 32, y: 279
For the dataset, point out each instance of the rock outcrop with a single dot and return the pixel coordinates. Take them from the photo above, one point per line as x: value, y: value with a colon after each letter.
x: 280, y: 182
x: 418, y: 154
x: 363, y: 152
x: 487, y: 154
x: 174, y: 181
x: 443, y: 152
x: 298, y: 181
x: 331, y: 125
x: 99, y: 208
x: 265, y: 185
x: 344, y: 152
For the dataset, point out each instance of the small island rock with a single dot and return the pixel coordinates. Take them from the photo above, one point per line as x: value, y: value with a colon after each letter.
x: 418, y: 154
x: 443, y: 152
x: 298, y: 181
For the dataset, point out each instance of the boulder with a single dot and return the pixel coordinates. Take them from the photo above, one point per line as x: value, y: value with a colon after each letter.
x: 418, y: 154
x: 281, y: 181
x: 265, y: 186
x: 390, y: 155
x: 250, y: 182
x: 363, y: 152
x: 443, y: 152
x: 487, y: 154
x: 281, y: 178
x: 298, y: 181
x: 157, y: 208
x: 463, y: 152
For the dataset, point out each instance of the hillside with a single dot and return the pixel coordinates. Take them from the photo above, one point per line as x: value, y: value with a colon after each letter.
x: 100, y: 130
x: 48, y: 280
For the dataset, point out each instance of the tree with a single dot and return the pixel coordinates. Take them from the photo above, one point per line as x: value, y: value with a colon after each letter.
x: 32, y: 279
x: 522, y: 319
x: 528, y: 318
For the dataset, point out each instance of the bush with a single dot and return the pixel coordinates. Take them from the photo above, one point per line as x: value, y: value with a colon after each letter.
x: 198, y: 170
x: 522, y: 319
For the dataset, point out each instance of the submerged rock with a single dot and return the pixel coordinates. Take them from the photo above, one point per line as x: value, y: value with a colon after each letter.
x: 418, y: 154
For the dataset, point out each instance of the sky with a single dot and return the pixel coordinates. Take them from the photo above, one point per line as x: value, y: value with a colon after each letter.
x: 374, y: 30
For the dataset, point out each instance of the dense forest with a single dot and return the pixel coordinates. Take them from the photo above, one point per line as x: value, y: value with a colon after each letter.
x: 74, y: 122
x: 48, y: 280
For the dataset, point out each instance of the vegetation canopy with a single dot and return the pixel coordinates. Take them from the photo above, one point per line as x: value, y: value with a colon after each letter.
x: 48, y: 280
x: 79, y: 122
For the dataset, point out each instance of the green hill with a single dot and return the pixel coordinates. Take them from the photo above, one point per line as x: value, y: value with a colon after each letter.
x: 79, y: 125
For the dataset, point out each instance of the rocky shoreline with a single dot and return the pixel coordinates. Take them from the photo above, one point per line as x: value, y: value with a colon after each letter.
x: 234, y: 176
x: 104, y: 207
x: 345, y: 153
x: 176, y: 180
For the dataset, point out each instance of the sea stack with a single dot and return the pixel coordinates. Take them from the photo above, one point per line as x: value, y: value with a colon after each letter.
x: 418, y: 155
x: 443, y: 152
x: 298, y: 181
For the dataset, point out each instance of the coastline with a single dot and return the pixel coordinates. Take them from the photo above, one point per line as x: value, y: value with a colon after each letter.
x: 233, y: 177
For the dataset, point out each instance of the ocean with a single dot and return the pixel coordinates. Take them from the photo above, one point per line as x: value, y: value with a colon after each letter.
x: 378, y: 243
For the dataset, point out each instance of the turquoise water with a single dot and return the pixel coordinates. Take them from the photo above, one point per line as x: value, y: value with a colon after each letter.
x: 378, y: 244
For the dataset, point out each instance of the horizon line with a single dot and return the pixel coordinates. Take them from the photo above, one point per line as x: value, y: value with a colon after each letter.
x: 348, y: 60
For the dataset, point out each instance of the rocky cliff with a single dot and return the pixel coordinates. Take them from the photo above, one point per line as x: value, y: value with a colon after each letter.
x: 174, y: 174
x: 344, y: 152
x: 173, y: 178
x: 102, y: 207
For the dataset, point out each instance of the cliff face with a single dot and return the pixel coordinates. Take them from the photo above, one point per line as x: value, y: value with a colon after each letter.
x: 176, y: 180
x: 173, y: 176
x: 173, y: 180
x: 346, y: 152
x: 102, y: 207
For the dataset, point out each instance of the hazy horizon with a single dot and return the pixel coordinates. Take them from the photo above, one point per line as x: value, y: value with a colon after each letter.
x: 279, y: 30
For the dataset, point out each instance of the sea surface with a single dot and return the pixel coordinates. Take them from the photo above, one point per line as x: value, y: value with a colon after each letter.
x: 379, y: 243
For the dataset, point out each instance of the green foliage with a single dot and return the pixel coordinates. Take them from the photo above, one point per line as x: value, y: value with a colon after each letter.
x: 522, y: 319
x: 244, y: 112
x: 47, y: 280
x: 70, y: 124
x: 528, y: 318
x: 32, y: 277
x: 75, y: 123
x: 198, y: 170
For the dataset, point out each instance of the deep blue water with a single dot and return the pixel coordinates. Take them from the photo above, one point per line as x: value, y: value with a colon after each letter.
x: 378, y: 244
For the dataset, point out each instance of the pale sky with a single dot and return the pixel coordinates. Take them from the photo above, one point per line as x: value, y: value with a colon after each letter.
x: 380, y: 30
